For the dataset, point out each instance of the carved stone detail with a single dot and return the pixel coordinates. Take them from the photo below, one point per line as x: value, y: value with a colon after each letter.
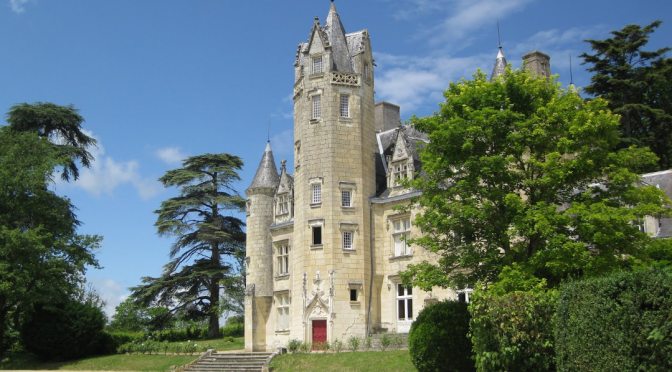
x: 249, y: 290
x: 345, y: 78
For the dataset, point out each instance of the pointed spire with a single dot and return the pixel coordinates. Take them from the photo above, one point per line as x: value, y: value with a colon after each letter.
x: 500, y: 63
x: 571, y: 76
x: 339, y: 44
x: 267, y: 173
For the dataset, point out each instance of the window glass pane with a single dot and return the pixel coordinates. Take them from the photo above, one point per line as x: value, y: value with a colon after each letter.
x: 407, y: 224
x: 317, y: 107
x: 409, y: 303
x: 409, y: 291
x: 317, y: 235
x: 401, y: 309
x: 317, y: 65
x: 353, y: 295
x: 400, y: 290
x: 345, y: 110
x: 398, y: 245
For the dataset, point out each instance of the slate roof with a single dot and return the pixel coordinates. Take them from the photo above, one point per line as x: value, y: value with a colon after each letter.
x: 500, y: 65
x: 267, y: 173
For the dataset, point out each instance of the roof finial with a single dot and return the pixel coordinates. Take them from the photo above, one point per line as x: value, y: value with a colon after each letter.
x: 268, y: 139
x: 499, y: 38
x: 571, y: 77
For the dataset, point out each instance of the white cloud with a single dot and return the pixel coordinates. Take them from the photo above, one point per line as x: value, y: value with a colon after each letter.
x: 18, y: 5
x: 283, y: 145
x: 111, y: 292
x: 171, y: 155
x: 106, y: 174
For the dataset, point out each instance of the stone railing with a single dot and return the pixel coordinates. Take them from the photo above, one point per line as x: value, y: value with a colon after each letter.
x: 344, y: 78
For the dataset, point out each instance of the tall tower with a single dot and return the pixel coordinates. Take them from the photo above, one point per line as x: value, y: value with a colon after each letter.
x: 538, y: 63
x: 334, y: 133
x: 259, y: 281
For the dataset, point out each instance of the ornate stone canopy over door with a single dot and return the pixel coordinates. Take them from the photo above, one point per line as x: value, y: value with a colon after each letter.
x: 319, y: 331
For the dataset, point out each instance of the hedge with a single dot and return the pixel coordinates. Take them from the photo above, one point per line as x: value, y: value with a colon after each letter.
x: 438, y: 338
x: 622, y: 322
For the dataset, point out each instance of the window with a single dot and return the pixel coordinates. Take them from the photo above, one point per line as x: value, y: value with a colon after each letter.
x: 317, y: 65
x: 353, y: 295
x: 317, y: 235
x: 283, y: 204
x: 400, y: 173
x: 463, y: 295
x: 347, y: 240
x: 401, y: 233
x: 345, y: 107
x: 366, y: 71
x: 283, y: 259
x: 317, y: 194
x: 317, y: 107
x: 346, y: 198
x: 404, y: 302
x: 283, y: 312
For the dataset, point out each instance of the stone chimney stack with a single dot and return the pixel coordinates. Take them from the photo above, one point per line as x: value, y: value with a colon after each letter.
x: 387, y: 116
x: 538, y: 63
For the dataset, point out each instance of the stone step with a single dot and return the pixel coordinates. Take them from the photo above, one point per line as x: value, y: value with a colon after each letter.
x: 230, y: 362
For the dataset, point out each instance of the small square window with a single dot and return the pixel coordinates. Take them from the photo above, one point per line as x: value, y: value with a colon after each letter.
x: 346, y: 198
x: 353, y: 295
x: 347, y: 240
x: 317, y: 65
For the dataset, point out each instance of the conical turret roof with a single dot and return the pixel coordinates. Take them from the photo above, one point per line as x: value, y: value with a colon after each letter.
x: 500, y: 65
x: 339, y: 43
x: 267, y: 173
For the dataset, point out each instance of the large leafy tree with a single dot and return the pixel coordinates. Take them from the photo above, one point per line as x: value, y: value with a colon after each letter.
x: 521, y: 174
x: 43, y: 257
x: 207, y: 238
x: 62, y: 126
x: 638, y: 86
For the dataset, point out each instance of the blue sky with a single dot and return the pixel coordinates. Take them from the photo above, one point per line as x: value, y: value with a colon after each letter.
x: 159, y: 80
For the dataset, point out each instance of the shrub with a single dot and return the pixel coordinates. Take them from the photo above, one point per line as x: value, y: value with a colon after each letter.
x: 65, y: 331
x: 368, y: 343
x: 337, y: 346
x: 397, y: 341
x: 233, y: 330
x: 621, y: 322
x: 228, y: 339
x: 353, y: 341
x: 439, y: 335
x: 306, y: 347
x: 294, y: 346
x: 385, y: 341
x: 513, y: 331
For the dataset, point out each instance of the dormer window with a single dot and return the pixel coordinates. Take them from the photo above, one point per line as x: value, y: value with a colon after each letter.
x: 400, y: 173
x: 283, y: 204
x: 317, y: 65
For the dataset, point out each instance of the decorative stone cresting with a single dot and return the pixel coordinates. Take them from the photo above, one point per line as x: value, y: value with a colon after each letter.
x: 345, y: 78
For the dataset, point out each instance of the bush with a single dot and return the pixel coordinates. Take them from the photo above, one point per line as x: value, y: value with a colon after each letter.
x: 438, y: 338
x: 294, y: 346
x: 233, y: 330
x: 621, y: 322
x: 65, y: 331
x: 513, y: 332
x: 385, y: 341
x: 353, y: 341
x: 337, y: 346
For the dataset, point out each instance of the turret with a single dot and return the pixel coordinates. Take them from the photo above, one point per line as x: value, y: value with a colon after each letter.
x: 500, y: 65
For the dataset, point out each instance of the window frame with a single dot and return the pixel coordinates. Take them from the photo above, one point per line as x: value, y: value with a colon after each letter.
x: 318, y: 65
x: 348, y: 198
x: 282, y: 307
x: 316, y: 194
x: 401, y: 232
x: 282, y: 256
x: 405, y: 298
x: 344, y: 106
x: 316, y: 112
x: 348, y: 240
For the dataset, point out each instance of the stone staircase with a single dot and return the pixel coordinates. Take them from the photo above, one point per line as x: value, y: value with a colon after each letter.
x: 229, y: 362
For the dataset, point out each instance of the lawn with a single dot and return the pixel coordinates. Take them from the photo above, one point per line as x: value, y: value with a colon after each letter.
x: 397, y: 361
x: 118, y: 362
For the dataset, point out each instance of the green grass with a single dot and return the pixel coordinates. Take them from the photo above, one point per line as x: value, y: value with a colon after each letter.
x: 118, y: 362
x: 396, y: 361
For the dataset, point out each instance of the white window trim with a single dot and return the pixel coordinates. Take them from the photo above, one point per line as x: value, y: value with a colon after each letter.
x: 403, y: 233
x: 467, y: 293
x: 282, y: 255
x: 283, y: 301
x: 316, y: 107
x: 314, y: 61
x: 406, y: 297
x: 316, y: 194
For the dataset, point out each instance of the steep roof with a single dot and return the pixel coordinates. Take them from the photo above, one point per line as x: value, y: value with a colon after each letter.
x: 500, y: 65
x: 267, y: 173
x: 339, y: 43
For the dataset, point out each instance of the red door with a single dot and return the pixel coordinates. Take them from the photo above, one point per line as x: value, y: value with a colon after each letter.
x: 319, y: 331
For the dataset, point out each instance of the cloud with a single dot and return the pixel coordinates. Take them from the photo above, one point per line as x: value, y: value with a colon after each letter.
x: 106, y: 174
x: 111, y: 292
x: 18, y: 5
x: 171, y: 155
x: 283, y: 144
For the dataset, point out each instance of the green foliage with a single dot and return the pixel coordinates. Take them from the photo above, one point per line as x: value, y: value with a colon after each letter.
x: 206, y: 235
x: 438, y: 335
x: 385, y: 341
x: 43, y: 257
x: 294, y: 345
x: 337, y: 346
x: 513, y: 331
x: 236, y: 319
x: 636, y: 84
x: 621, y: 322
x: 234, y: 330
x: 354, y: 343
x: 519, y: 171
x: 62, y: 125
x: 65, y: 331
x: 368, y: 343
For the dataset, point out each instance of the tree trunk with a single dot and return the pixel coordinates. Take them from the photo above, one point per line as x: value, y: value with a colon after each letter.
x: 213, y: 327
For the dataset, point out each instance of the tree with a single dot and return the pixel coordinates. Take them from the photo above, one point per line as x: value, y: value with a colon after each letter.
x: 521, y: 174
x: 205, y: 237
x: 43, y: 257
x: 62, y: 125
x: 131, y: 317
x: 638, y: 86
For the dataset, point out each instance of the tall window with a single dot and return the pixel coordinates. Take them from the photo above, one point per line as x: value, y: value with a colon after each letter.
x: 283, y: 204
x: 402, y: 232
x: 317, y: 65
x: 346, y: 198
x: 317, y: 107
x: 400, y: 173
x: 283, y: 259
x: 404, y: 302
x: 366, y: 71
x: 317, y: 194
x: 345, y: 106
x: 317, y: 235
x: 283, y: 312
x: 347, y: 240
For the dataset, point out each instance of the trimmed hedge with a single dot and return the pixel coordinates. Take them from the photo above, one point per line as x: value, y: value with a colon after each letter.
x: 438, y: 338
x: 513, y: 332
x: 622, y: 322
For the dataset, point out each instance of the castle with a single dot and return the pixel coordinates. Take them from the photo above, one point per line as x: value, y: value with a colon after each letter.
x: 325, y: 244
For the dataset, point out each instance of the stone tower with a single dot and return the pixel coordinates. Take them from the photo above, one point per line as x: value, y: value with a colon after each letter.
x: 259, y: 289
x: 538, y: 63
x: 334, y: 133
